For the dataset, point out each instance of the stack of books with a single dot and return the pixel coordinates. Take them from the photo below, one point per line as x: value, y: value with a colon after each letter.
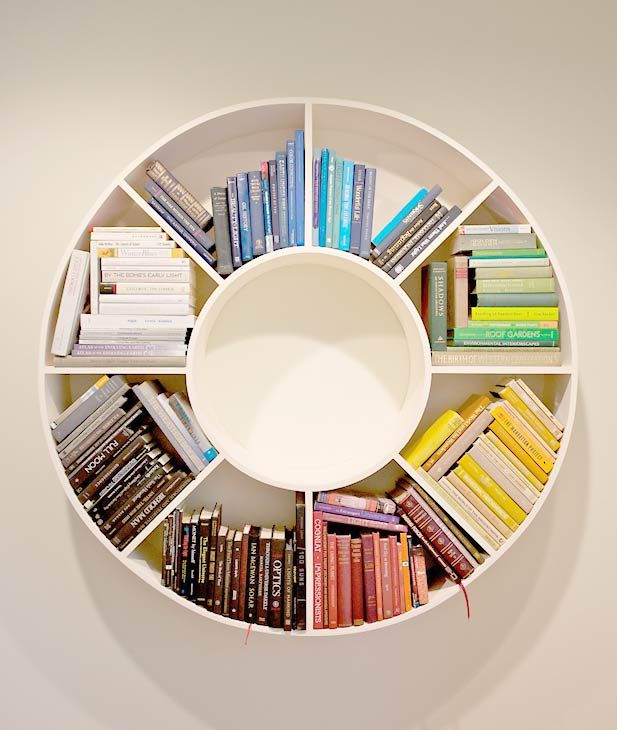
x: 366, y: 565
x: 127, y: 451
x: 487, y: 463
x: 500, y: 294
x: 253, y: 574
x: 343, y: 203
x: 412, y: 230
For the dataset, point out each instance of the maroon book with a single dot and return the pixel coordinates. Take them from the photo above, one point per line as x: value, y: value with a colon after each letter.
x: 368, y: 571
x: 236, y: 554
x: 219, y: 570
x: 324, y: 547
x: 229, y: 546
x: 263, y: 574
x: 244, y: 556
x: 357, y: 582
x: 277, y: 567
x: 396, y: 581
x: 343, y: 580
x: 332, y: 583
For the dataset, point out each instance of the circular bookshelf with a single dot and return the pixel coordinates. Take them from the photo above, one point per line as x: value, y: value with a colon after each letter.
x: 308, y: 367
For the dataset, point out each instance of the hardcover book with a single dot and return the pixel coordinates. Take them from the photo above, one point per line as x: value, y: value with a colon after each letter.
x: 244, y: 214
x: 256, y: 207
x: 220, y: 213
x: 356, y: 209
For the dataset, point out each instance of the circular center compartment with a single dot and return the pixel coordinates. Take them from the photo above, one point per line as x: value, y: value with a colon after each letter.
x: 309, y: 369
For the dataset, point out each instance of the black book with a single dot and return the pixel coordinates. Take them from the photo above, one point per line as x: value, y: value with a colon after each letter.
x: 193, y: 559
x: 184, y: 554
x: 250, y: 606
x: 215, y: 523
x: 220, y: 213
x: 203, y: 548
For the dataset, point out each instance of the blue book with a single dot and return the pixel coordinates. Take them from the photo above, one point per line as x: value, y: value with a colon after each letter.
x: 316, y: 184
x: 256, y: 206
x: 299, y: 145
x: 356, y: 208
x: 182, y: 232
x: 234, y: 222
x: 338, y: 192
x: 330, y: 199
x: 291, y: 192
x: 345, y: 237
x: 244, y: 213
x: 405, y: 210
x: 274, y: 204
x: 367, y: 212
x: 323, y: 194
x: 281, y: 189
x: 265, y: 190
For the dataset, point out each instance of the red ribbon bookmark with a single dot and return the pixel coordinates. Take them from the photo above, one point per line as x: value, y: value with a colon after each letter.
x: 248, y: 633
x: 462, y: 587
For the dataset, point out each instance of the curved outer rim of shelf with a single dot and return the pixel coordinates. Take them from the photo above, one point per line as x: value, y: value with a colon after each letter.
x: 572, y: 370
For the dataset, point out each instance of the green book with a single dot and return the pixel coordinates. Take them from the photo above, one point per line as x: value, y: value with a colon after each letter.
x: 514, y: 286
x: 505, y: 333
x: 512, y: 325
x: 517, y: 300
x: 338, y: 197
x: 504, y: 343
x: 434, y: 281
x: 509, y: 253
x: 515, y: 272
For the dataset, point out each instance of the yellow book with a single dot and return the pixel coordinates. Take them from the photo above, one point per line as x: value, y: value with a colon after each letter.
x: 492, y: 488
x: 482, y: 494
x: 419, y: 450
x: 459, y: 485
x: 526, y: 413
x: 138, y: 253
x: 406, y: 572
x: 511, y: 314
x: 515, y: 461
x: 533, y: 447
x: 518, y: 451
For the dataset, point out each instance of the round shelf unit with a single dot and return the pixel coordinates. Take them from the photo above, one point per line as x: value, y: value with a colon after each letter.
x: 308, y: 367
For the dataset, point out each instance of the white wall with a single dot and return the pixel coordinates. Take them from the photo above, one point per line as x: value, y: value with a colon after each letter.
x: 529, y: 87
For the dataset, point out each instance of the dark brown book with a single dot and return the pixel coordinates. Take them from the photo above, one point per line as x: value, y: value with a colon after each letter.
x: 244, y: 558
x: 193, y: 559
x: 184, y: 555
x: 343, y: 580
x: 299, y: 593
x: 250, y: 614
x: 368, y: 572
x: 277, y: 568
x: 288, y: 586
x: 236, y: 556
x: 357, y: 582
x: 166, y: 551
x: 203, y: 552
x: 227, y: 575
x: 177, y: 558
x: 263, y: 574
x: 215, y: 523
x: 219, y: 569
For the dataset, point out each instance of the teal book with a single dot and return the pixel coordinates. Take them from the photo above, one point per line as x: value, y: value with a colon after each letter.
x: 407, y: 208
x: 505, y: 333
x: 338, y: 193
x: 330, y: 199
x: 323, y: 194
x: 346, y: 201
x: 509, y: 253
x: 299, y: 202
x: 517, y: 300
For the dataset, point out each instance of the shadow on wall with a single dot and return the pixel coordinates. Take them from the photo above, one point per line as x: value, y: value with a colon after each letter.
x: 420, y: 674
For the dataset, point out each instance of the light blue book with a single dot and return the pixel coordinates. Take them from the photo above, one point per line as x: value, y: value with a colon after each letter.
x: 244, y: 213
x: 323, y: 195
x: 330, y: 199
x: 281, y: 190
x: 291, y: 192
x: 338, y: 192
x: 346, y: 200
x: 408, y: 207
x: 299, y: 145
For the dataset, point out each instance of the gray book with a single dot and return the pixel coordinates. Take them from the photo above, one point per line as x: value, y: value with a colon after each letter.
x: 410, y: 236
x: 112, y: 418
x: 87, y: 407
x: 478, y: 454
x: 356, y: 208
x: 190, y: 205
x: 256, y: 203
x: 492, y: 241
x: 460, y: 446
x: 234, y: 222
x: 527, y: 299
x: 368, y: 206
x: 220, y: 213
x: 281, y: 189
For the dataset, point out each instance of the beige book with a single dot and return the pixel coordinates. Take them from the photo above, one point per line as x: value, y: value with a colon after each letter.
x: 460, y: 446
x: 535, y: 405
x: 509, y: 470
x: 486, y: 511
x: 533, y: 398
x: 514, y: 460
x: 479, y: 455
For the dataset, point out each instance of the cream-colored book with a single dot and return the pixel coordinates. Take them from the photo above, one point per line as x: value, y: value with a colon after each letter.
x: 509, y: 470
x: 515, y: 461
x: 476, y: 502
x: 483, y: 460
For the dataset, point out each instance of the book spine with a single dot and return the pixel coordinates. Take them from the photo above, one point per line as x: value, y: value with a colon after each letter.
x: 419, y: 566
x: 193, y: 557
x: 530, y: 445
x: 323, y: 195
x: 395, y: 563
x: 316, y: 186
x: 256, y: 209
x: 332, y: 583
x: 361, y: 522
x: 79, y: 401
x: 244, y: 557
x: 318, y: 587
x: 203, y: 550
x: 184, y: 558
x: 166, y: 554
x: 265, y: 192
x: 299, y: 201
x: 234, y: 222
x: 336, y: 209
x: 370, y: 504
x: 276, y: 598
x: 406, y: 573
x: 324, y: 547
x: 252, y: 578
x: 180, y: 405
x: 337, y: 509
x: 344, y: 609
x: 346, y: 202
x: 422, y: 447
x: 493, y: 463
x: 182, y: 232
x: 263, y: 600
x: 496, y: 530
x: 356, y: 209
x: 291, y: 192
x: 437, y: 275
x: 189, y: 204
x: 281, y: 188
x: 288, y: 586
x: 494, y: 241
x: 229, y: 546
x: 412, y: 237
x: 220, y: 213
x: 357, y: 582
x: 244, y: 214
x: 90, y: 439
x: 458, y: 291
x: 219, y: 572
x: 153, y: 288
x: 493, y: 229
x: 368, y: 574
x: 378, y: 584
x: 497, y: 333
x: 368, y: 205
x: 274, y: 203
x: 331, y: 170
x: 386, y: 578
x: 144, y: 276
x: 74, y: 295
x: 513, y: 314
x: 215, y: 523
x: 517, y: 300
x: 515, y: 253
x: 403, y: 218
x: 300, y: 564
x: 541, y: 285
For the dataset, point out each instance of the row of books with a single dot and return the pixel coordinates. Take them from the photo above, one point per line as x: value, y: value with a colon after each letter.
x: 366, y: 565
x: 127, y: 451
x: 486, y: 464
x: 253, y: 574
x: 497, y: 290
x: 343, y: 203
x: 412, y: 230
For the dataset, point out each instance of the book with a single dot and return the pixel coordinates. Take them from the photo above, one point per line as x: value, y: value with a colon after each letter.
x: 324, y: 545
x: 525, y: 437
x: 368, y: 206
x: 323, y: 194
x: 227, y: 574
x: 329, y: 212
x: 344, y: 611
x: 339, y: 509
x: 136, y: 233
x: 219, y: 569
x: 72, y: 303
x: 412, y: 235
x: 189, y: 204
x: 514, y: 272
x: 156, y: 287
x: 367, y: 502
x: 493, y: 228
x: 514, y: 253
x: 493, y: 489
x: 515, y: 286
x: 332, y: 581
x: 203, y: 549
x: 500, y: 333
x: 536, y: 405
x: 316, y: 186
x: 357, y: 581
x: 508, y: 357
x: 357, y: 202
x: 288, y: 586
x: 377, y: 566
x: 265, y: 191
x: 492, y: 241
x: 182, y: 408
x: 234, y: 222
x: 299, y: 185
x: 406, y: 574
x: 318, y: 585
x: 250, y: 615
x: 405, y: 216
x: 434, y: 303
x: 220, y: 214
x: 368, y: 574
x: 513, y: 314
x: 256, y: 210
x: 424, y: 445
x: 546, y: 434
x: 277, y: 574
x: 458, y: 291
x: 484, y: 516
x: 479, y: 262
x: 274, y: 203
x: 291, y: 192
x: 242, y: 584
x: 187, y: 237
x: 78, y: 402
x: 299, y: 544
x: 509, y: 440
x: 346, y: 203
x: 386, y: 578
x: 282, y: 201
x: 215, y: 524
x: 192, y: 556
x: 362, y: 522
x: 419, y: 569
x: 244, y: 215
x: 336, y: 210
x: 263, y: 574
x: 526, y: 299
x: 396, y: 575
x: 514, y: 461
x: 518, y: 344
x: 493, y: 461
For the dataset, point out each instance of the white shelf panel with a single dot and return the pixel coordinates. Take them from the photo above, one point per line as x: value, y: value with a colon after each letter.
x: 113, y: 370
x: 502, y: 369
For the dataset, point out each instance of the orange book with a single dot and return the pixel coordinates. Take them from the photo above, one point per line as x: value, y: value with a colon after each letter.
x: 357, y: 582
x: 332, y: 583
x: 378, y: 590
x: 395, y: 564
x: 386, y: 578
x: 401, y: 589
x: 406, y: 573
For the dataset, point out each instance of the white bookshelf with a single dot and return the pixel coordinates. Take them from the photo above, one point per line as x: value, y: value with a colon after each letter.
x: 309, y: 368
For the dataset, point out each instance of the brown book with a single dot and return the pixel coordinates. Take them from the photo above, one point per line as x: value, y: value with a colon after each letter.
x: 357, y: 582
x: 215, y: 523
x: 288, y: 586
x: 378, y: 582
x: 419, y: 567
x: 236, y: 556
x: 166, y: 556
x: 192, y: 561
x: 203, y: 552
x: 228, y: 570
x: 277, y: 567
x: 219, y: 569
x: 386, y: 577
x: 368, y: 571
x: 177, y: 537
x: 401, y: 577
x: 332, y: 583
x: 244, y: 557
x: 396, y: 583
x: 250, y: 614
x: 343, y: 580
x: 299, y: 547
x: 263, y: 574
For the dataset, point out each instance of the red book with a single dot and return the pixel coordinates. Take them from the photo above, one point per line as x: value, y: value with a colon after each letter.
x: 357, y: 582
x: 368, y: 570
x: 412, y: 574
x: 378, y: 584
x: 332, y: 584
x: 419, y: 565
x: 324, y: 547
x: 396, y: 581
x: 244, y: 559
x: 401, y: 578
x: 318, y: 586
x: 277, y: 567
x: 386, y: 578
x: 343, y: 580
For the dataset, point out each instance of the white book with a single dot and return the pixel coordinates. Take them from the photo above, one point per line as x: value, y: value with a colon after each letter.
x: 135, y: 235
x: 532, y: 401
x: 101, y: 321
x: 483, y: 460
x: 514, y: 461
x: 153, y: 229
x: 144, y: 276
x: 135, y: 244
x: 473, y: 499
x: 177, y: 309
x: 129, y: 351
x: 128, y: 252
x: 146, y: 263
x: 478, y: 262
x: 163, y: 399
x: 147, y: 299
x: 72, y: 304
x: 483, y: 228
x: 152, y: 288
x: 182, y: 408
x: 508, y: 469
x: 132, y: 339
